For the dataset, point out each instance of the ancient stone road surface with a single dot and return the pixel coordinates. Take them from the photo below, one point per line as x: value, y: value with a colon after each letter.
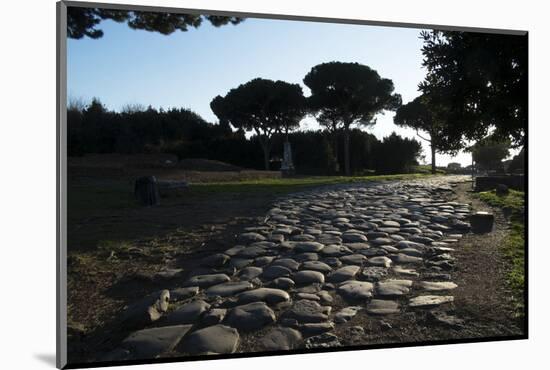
x: 384, y: 248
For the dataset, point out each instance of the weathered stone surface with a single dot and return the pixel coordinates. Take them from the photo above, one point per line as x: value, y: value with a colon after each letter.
x: 429, y: 300
x: 376, y: 234
x: 180, y: 294
x: 263, y: 260
x: 405, y: 272
x: 306, y: 311
x: 354, y: 259
x: 481, y: 222
x: 215, y: 260
x: 305, y: 257
x: 327, y: 239
x: 308, y: 277
x: 325, y: 296
x: 228, y: 289
x: 167, y: 274
x: 239, y: 263
x: 281, y: 339
x: 301, y: 247
x: 392, y: 288
x: 233, y: 251
x: 282, y: 283
x: 153, y: 342
x: 401, y: 258
x: 302, y: 238
x: 382, y: 241
x: 146, y: 311
x: 219, y: 339
x: 343, y: 274
x: 252, y: 252
x: 381, y: 261
x: 353, y: 238
x: 382, y: 307
x: 441, y: 265
x: 250, y: 237
x: 268, y: 295
x: 310, y: 296
x: 189, y: 313
x: 276, y: 238
x: 146, y: 191
x: 289, y: 263
x: 391, y: 224
x: 421, y: 239
x: 317, y: 266
x: 397, y: 237
x: 437, y: 276
x: 250, y: 316
x: 389, y: 248
x: 334, y: 250
x: 273, y: 272
x: 374, y: 252
x: 311, y: 288
x: 250, y: 273
x: 436, y: 286
x: 204, y: 281
x: 374, y: 273
x: 411, y: 252
x: 333, y: 262
x: 461, y: 225
x: 311, y: 329
x: 346, y: 314
x: 213, y: 317
x: 357, y: 247
x: 356, y: 290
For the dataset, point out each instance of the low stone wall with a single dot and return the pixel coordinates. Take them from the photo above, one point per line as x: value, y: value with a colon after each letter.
x: 485, y: 183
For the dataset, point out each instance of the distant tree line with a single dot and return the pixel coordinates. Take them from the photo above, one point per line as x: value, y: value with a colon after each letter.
x: 94, y: 129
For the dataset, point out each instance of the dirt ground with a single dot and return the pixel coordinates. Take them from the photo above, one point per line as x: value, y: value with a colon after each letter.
x: 103, y: 277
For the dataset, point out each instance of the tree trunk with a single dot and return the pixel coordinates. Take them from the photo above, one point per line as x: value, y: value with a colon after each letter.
x: 346, y: 152
x: 433, y: 158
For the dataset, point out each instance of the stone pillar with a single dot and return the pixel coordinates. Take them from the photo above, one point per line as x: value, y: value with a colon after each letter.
x: 146, y: 191
x: 287, y: 167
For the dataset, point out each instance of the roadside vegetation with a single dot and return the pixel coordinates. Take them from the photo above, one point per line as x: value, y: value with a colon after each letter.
x: 513, y: 205
x: 286, y: 185
x: 117, y: 194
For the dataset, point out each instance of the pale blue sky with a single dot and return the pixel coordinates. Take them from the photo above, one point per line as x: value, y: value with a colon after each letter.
x: 188, y: 69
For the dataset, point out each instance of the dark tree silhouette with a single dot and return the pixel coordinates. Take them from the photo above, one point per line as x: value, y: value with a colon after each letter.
x: 517, y: 164
x: 482, y: 80
x: 489, y: 153
x: 348, y: 94
x: 139, y: 129
x: 395, y: 154
x: 329, y: 120
x: 83, y: 21
x: 263, y: 106
x: 420, y: 115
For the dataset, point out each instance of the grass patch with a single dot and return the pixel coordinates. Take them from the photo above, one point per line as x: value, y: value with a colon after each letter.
x: 285, y: 185
x: 427, y: 169
x: 85, y: 197
x: 513, y: 247
x: 513, y: 202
